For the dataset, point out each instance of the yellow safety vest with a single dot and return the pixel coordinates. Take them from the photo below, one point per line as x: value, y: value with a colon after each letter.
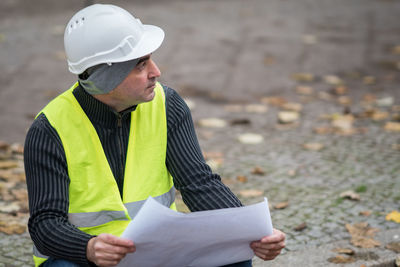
x: 95, y: 204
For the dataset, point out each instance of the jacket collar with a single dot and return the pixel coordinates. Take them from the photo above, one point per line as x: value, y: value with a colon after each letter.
x: 98, y: 112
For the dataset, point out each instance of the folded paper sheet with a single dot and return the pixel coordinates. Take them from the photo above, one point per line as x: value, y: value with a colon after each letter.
x: 164, y: 237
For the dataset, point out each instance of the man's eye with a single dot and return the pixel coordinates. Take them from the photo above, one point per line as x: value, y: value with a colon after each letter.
x: 141, y: 65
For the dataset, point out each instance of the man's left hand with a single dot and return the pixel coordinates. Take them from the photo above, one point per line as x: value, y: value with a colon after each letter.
x: 269, y: 246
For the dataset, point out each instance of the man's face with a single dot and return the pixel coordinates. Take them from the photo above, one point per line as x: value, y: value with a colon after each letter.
x: 138, y: 86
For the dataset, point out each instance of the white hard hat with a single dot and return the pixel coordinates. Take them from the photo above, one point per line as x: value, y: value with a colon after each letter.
x: 107, y: 34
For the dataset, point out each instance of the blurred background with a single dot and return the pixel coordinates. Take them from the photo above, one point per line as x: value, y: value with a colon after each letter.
x: 295, y: 100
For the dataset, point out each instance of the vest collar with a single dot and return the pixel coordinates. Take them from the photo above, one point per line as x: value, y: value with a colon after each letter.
x: 97, y: 111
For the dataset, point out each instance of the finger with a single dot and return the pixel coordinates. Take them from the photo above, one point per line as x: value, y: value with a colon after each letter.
x: 102, y: 247
x: 268, y: 252
x: 115, y: 240
x: 264, y: 256
x: 269, y: 246
x: 277, y: 236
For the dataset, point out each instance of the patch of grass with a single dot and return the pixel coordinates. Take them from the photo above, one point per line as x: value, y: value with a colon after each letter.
x: 338, y: 201
x: 361, y: 189
x: 397, y: 198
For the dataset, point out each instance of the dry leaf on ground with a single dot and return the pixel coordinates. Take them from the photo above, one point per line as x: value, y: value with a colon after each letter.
x: 258, y: 171
x: 242, y: 178
x: 332, y: 80
x: 288, y: 116
x: 242, y: 121
x: 342, y: 259
x: 368, y: 80
x: 365, y: 213
x: 291, y: 106
x: 385, y: 102
x: 362, y: 235
x: 323, y: 130
x: 8, y: 164
x: 274, y: 100
x: 313, y: 146
x: 340, y: 90
x: 250, y: 138
x: 300, y: 227
x: 11, y: 228
x: 304, y: 90
x: 303, y: 77
x: 251, y: 193
x: 256, y: 108
x: 281, y: 205
x: 392, y: 126
x: 347, y: 251
x: 393, y: 216
x: 234, y: 108
x: 350, y: 195
x: 212, y: 123
x: 395, y: 246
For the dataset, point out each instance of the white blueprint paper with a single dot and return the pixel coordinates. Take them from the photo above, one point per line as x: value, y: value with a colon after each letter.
x: 167, y: 238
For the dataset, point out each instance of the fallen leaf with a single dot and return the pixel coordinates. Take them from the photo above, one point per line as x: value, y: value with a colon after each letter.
x: 250, y: 138
x: 396, y: 50
x: 212, y: 123
x: 300, y: 227
x: 369, y: 98
x: 324, y: 96
x: 344, y: 100
x: 242, y: 178
x: 8, y: 208
x: 17, y: 148
x: 8, y: 164
x: 258, y: 171
x: 274, y: 100
x: 369, y: 80
x: 304, y: 90
x: 362, y: 235
x: 281, y: 205
x: 333, y: 80
x: 303, y: 77
x: 364, y: 242
x: 350, y: 195
x: 291, y: 106
x: 233, y: 108
x: 347, y: 251
x: 396, y: 147
x: 256, y: 108
x: 340, y: 90
x: 11, y: 228
x: 365, y: 213
x: 341, y: 259
x: 395, y: 246
x: 243, y: 121
x: 323, y: 130
x: 343, y: 122
x: 380, y: 115
x: 288, y: 116
x: 313, y: 146
x: 4, y: 145
x: 392, y: 126
x: 251, y: 193
x: 393, y: 216
x: 292, y: 173
x: 385, y: 102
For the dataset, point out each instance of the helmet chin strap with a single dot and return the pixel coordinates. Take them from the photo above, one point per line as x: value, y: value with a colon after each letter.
x: 103, y: 78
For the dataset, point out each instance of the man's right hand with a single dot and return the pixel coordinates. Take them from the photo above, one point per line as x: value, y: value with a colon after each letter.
x: 108, y: 250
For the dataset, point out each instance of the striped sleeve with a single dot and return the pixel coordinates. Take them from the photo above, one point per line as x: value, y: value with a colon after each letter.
x: 48, y: 182
x: 201, y: 189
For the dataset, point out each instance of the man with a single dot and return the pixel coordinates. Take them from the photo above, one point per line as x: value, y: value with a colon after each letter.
x: 96, y: 152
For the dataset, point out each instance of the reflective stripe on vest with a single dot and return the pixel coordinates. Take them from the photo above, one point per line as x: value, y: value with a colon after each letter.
x: 90, y: 219
x: 95, y: 204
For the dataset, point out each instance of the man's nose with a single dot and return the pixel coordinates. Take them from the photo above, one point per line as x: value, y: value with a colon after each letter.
x: 154, y: 71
